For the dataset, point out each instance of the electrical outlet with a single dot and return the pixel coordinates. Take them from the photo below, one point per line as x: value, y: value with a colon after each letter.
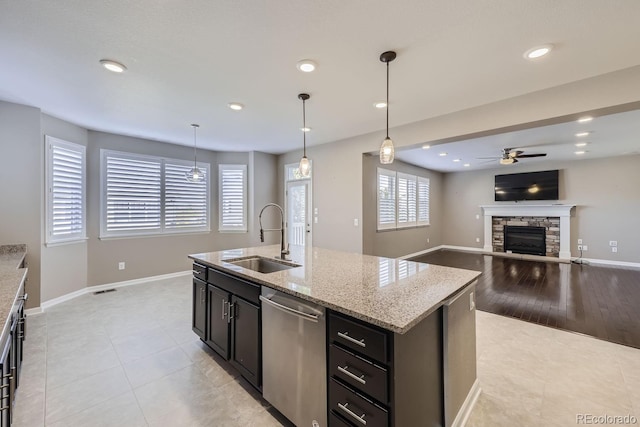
x: 315, y: 219
x: 477, y: 240
x: 585, y: 248
x: 121, y: 265
x: 579, y: 247
x: 427, y: 240
x: 613, y: 243
x: 614, y: 249
x: 579, y: 241
x: 355, y: 222
x: 477, y: 216
x: 472, y: 301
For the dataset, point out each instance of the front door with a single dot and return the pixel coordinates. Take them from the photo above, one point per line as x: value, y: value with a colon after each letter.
x: 298, y: 212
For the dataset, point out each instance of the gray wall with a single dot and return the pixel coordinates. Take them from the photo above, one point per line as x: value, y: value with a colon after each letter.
x: 337, y: 166
x: 605, y: 192
x: 156, y: 255
x: 395, y: 243
x: 64, y: 267
x: 21, y: 186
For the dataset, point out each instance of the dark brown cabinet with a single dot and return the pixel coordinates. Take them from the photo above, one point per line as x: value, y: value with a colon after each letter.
x: 218, y: 320
x: 5, y: 384
x: 231, y: 322
x: 199, y: 309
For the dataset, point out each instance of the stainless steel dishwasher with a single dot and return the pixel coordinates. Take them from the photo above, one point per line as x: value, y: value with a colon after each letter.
x: 294, y: 371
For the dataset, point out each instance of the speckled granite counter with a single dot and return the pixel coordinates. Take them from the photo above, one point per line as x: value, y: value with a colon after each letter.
x: 391, y: 293
x: 11, y: 280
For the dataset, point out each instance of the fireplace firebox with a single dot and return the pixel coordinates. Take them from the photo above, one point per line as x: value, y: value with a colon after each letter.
x: 525, y: 240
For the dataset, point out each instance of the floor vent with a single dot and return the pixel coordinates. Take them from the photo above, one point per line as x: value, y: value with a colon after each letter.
x: 104, y: 292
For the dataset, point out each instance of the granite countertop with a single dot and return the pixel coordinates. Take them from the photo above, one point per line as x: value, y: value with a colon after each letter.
x: 11, y: 279
x: 394, y: 294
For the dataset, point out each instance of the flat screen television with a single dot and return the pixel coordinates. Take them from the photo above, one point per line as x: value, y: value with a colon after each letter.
x: 527, y: 186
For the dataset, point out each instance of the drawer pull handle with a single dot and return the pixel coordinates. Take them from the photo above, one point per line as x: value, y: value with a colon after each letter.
x: 345, y: 335
x: 346, y: 371
x: 358, y: 418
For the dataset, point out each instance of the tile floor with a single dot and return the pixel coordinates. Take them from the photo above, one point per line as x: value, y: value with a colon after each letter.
x: 129, y: 358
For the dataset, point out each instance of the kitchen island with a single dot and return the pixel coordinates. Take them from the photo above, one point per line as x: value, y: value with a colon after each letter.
x: 420, y: 358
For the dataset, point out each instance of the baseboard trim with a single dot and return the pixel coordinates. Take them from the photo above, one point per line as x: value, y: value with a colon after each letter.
x: 33, y: 311
x: 465, y: 410
x: 462, y: 248
x: 426, y: 251
x: 610, y: 262
x: 90, y: 289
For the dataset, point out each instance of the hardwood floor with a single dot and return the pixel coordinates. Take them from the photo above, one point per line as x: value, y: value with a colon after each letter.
x: 603, y: 302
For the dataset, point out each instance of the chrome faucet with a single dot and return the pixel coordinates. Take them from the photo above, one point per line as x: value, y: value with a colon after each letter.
x: 283, y: 252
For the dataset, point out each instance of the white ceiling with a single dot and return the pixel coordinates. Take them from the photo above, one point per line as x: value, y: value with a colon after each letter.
x: 187, y: 60
x: 609, y: 135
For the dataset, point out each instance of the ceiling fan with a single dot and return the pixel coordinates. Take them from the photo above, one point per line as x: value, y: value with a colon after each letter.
x: 510, y: 156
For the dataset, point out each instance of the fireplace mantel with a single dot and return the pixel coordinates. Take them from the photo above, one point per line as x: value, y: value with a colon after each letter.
x: 522, y: 209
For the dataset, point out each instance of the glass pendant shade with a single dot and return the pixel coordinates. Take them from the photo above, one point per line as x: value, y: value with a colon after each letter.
x: 305, y: 167
x: 387, y: 151
x: 194, y: 174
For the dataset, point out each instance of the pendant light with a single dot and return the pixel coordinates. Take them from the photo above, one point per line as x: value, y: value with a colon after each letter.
x: 386, y: 149
x: 305, y: 166
x: 194, y: 174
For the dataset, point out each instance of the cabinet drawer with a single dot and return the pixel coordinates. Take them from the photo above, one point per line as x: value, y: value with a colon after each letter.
x: 355, y: 408
x: 358, y: 372
x: 336, y: 420
x: 358, y: 337
x: 235, y: 285
x: 200, y: 271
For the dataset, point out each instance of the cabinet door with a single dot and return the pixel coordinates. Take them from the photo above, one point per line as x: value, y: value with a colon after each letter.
x: 247, y: 346
x: 5, y: 385
x: 218, y: 320
x: 199, y: 309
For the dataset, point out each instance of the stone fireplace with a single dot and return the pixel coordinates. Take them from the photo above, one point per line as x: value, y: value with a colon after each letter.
x: 539, y: 229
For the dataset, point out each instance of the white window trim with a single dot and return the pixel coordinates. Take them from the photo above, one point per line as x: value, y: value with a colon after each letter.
x: 244, y: 227
x: 404, y: 225
x: 50, y: 240
x: 162, y: 231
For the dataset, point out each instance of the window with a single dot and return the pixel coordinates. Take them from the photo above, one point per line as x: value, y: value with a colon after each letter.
x: 403, y: 200
x: 232, y: 181
x: 145, y: 195
x: 66, y: 188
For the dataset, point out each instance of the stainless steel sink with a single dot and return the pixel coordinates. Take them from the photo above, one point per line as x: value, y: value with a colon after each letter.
x: 261, y: 264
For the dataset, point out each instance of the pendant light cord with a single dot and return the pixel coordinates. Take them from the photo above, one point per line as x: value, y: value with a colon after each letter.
x: 195, y: 158
x: 304, y: 128
x: 387, y: 99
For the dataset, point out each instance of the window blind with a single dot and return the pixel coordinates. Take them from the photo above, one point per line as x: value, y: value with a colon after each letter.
x: 407, y: 199
x: 423, y: 201
x: 386, y: 199
x: 132, y: 194
x: 66, y: 184
x: 233, y: 197
x: 186, y: 203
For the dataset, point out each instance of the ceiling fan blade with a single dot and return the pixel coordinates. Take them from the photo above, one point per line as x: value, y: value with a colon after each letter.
x: 523, y: 156
x: 489, y: 158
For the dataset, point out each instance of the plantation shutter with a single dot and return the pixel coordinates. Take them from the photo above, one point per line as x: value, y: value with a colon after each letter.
x: 233, y: 197
x: 407, y: 200
x: 423, y: 201
x: 386, y: 199
x: 186, y: 203
x: 133, y: 194
x: 66, y: 187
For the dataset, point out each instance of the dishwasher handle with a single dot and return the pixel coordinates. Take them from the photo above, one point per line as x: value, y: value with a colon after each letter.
x: 282, y: 307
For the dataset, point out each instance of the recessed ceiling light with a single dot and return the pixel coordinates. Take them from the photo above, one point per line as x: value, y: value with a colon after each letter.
x: 307, y: 129
x: 306, y: 65
x: 426, y: 147
x: 456, y: 160
x: 538, y: 51
x: 580, y: 152
x: 581, y: 144
x: 380, y: 104
x: 585, y: 119
x: 114, y: 66
x: 236, y: 106
x: 581, y: 134
x: 466, y: 165
x: 442, y: 154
